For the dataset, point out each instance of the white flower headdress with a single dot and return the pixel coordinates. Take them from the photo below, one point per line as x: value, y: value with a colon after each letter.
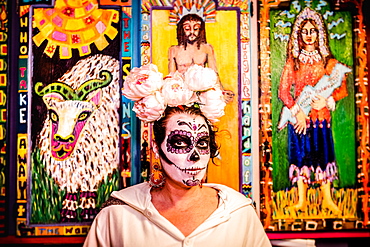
x: 198, y: 87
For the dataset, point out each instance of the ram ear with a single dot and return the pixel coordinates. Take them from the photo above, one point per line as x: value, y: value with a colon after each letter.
x: 50, y: 97
x: 95, y: 97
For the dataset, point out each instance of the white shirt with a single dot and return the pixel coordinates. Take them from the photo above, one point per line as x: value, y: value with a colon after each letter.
x: 139, y: 224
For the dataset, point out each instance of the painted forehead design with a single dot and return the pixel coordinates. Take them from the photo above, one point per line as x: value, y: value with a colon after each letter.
x: 193, y: 125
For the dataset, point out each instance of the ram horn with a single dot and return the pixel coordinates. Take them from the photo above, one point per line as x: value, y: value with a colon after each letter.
x: 91, y: 85
x: 56, y: 87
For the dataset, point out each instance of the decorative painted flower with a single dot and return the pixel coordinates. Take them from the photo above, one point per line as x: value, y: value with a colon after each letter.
x: 150, y: 108
x: 198, y: 78
x: 175, y: 92
x: 212, y: 104
x: 142, y: 82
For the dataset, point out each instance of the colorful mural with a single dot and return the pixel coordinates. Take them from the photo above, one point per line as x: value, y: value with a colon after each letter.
x: 310, y: 120
x: 78, y: 144
x: 3, y: 108
x: 127, y: 104
x: 22, y: 138
x: 192, y: 33
x: 76, y: 56
x: 71, y: 127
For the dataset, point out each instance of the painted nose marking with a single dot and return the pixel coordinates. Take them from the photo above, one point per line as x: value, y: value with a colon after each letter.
x: 194, y: 156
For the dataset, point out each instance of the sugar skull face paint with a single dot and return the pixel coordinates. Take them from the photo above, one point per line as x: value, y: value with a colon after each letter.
x: 185, y: 150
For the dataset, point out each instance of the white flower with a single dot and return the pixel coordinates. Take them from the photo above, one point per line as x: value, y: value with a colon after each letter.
x: 212, y: 104
x: 198, y: 78
x: 142, y: 82
x: 152, y: 94
x: 175, y: 92
x: 150, y: 108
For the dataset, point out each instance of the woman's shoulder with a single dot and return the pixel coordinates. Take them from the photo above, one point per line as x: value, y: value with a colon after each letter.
x: 133, y: 189
x: 135, y: 195
x: 112, y: 201
x: 230, y: 195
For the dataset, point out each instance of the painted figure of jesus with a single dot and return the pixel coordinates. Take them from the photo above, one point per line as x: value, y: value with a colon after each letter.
x: 193, y: 48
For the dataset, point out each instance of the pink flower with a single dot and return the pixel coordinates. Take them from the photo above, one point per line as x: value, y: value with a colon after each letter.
x: 150, y: 108
x: 175, y: 92
x: 142, y: 82
x: 212, y: 104
x: 198, y: 78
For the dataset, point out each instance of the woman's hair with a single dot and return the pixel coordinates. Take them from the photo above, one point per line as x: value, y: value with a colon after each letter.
x: 159, y: 127
x: 181, y: 37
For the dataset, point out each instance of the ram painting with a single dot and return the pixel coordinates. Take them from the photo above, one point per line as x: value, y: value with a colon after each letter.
x: 76, y: 156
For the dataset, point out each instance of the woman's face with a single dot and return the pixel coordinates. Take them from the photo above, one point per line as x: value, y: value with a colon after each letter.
x: 309, y: 33
x: 186, y: 148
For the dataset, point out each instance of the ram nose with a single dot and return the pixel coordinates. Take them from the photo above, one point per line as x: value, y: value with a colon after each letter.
x: 69, y: 138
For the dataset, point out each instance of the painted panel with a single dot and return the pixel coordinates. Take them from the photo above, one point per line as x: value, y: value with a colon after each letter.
x: 3, y: 110
x: 74, y: 125
x: 74, y: 108
x: 310, y: 182
x: 222, y: 47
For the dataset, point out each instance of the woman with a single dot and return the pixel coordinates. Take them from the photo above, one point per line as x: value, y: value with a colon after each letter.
x: 311, y: 147
x: 180, y: 210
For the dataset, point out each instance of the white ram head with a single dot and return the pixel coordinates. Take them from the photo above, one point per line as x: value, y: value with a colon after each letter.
x: 69, y: 110
x: 79, y: 141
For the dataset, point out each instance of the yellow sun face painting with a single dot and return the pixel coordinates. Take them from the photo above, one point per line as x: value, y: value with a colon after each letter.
x: 74, y: 25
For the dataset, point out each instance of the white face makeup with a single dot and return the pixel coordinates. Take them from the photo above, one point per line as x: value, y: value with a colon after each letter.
x: 186, y: 149
x: 191, y: 29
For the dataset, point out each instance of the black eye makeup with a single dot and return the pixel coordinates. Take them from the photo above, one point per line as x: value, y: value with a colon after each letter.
x: 182, y: 142
x: 202, y: 143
